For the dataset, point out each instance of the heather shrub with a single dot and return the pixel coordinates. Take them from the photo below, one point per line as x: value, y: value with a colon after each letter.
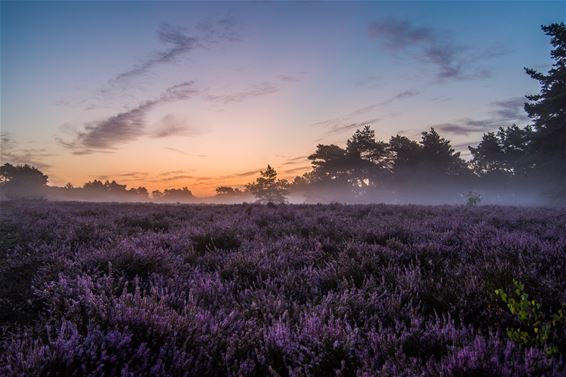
x: 129, y: 261
x: 156, y: 222
x: 217, y: 238
x: 16, y: 276
x: 296, y: 290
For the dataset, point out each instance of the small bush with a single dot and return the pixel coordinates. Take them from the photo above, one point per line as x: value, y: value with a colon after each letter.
x: 536, y: 329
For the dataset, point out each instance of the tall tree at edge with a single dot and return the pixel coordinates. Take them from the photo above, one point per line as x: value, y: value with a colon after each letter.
x: 548, y: 113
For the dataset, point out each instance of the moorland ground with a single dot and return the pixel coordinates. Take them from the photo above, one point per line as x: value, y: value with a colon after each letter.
x: 298, y: 290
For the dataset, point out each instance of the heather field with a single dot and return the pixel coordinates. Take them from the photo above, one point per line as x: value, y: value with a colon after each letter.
x: 287, y: 290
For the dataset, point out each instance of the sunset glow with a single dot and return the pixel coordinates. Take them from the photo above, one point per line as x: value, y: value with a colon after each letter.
x: 172, y: 94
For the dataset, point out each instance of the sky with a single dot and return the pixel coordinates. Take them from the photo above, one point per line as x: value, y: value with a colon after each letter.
x: 202, y: 94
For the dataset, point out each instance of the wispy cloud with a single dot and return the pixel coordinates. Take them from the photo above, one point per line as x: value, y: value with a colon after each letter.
x: 295, y: 160
x: 457, y: 129
x: 171, y: 172
x: 512, y: 109
x: 170, y: 126
x: 177, y: 177
x: 177, y: 42
x: 346, y: 122
x: 298, y: 169
x: 338, y: 128
x: 246, y: 173
x: 262, y: 89
x: 183, y: 152
x: 12, y: 152
x: 134, y: 174
x: 289, y: 78
x: 450, y: 60
x: 125, y: 126
x: 502, y: 113
x: 369, y: 82
x: 402, y: 95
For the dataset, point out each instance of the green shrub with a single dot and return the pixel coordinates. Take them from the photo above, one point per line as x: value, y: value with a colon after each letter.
x: 473, y: 199
x: 536, y: 329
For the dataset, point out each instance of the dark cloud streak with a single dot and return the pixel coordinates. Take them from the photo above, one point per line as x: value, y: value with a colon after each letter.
x: 125, y: 126
x: 178, y: 42
x: 450, y: 60
x: 503, y: 112
x: 255, y: 91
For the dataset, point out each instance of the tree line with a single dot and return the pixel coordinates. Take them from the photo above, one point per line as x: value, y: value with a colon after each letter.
x: 511, y: 162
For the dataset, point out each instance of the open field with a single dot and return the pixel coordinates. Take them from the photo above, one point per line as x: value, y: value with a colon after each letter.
x: 301, y: 290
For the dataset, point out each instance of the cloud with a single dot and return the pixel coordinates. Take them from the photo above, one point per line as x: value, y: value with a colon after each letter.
x: 289, y: 78
x: 402, y: 95
x: 369, y: 82
x: 295, y: 160
x: 178, y: 42
x: 12, y: 152
x: 399, y: 35
x: 345, y: 122
x: 255, y: 91
x: 512, y: 109
x: 451, y: 61
x: 338, y: 128
x: 246, y: 173
x: 294, y: 170
x: 458, y: 129
x: 183, y: 152
x: 170, y: 126
x: 171, y: 172
x: 135, y: 174
x: 125, y: 126
x: 177, y: 177
x: 502, y: 112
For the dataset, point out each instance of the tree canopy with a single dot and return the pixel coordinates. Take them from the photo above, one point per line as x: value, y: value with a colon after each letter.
x: 547, y: 109
x: 23, y: 181
x: 267, y: 188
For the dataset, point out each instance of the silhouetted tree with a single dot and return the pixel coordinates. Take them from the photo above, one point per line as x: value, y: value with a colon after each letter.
x: 363, y: 145
x: 141, y: 192
x: 111, y: 190
x: 25, y: 181
x: 267, y: 188
x: 156, y: 194
x: 330, y: 164
x: 515, y: 143
x: 225, y: 191
x: 488, y: 157
x: 367, y: 158
x: 114, y: 187
x: 95, y: 189
x: 177, y: 195
x: 438, y: 158
x: 548, y: 113
x: 405, y: 155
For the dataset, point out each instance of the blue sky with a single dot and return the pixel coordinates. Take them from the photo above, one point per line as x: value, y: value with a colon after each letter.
x: 215, y: 91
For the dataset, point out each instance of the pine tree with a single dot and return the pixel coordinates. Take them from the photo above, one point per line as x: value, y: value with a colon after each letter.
x: 548, y: 113
x: 267, y: 188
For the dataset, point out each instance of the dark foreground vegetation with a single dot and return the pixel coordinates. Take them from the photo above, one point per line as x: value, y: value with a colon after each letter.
x: 250, y: 290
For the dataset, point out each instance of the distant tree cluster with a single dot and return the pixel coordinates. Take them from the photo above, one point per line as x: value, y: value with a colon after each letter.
x: 511, y: 160
x: 22, y: 182
x: 173, y: 195
x: 97, y: 189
